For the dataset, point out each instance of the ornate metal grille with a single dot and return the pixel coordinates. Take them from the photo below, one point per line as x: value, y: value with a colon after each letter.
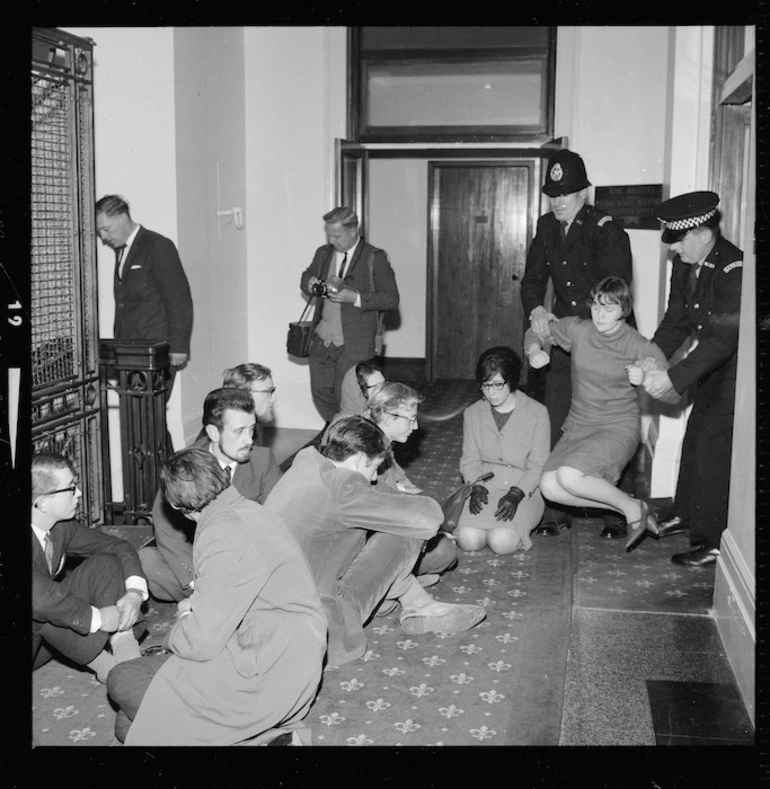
x: 64, y: 319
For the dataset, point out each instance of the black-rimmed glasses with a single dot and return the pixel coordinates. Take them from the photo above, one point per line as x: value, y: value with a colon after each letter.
x: 495, y: 386
x: 71, y: 489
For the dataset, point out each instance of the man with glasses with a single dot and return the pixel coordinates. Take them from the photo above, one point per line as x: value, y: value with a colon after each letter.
x: 362, y: 542
x: 78, y: 612
x: 229, y: 422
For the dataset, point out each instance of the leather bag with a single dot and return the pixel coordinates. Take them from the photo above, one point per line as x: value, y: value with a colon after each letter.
x: 300, y: 334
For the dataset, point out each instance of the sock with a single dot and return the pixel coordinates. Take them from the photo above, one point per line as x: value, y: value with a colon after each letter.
x: 124, y: 646
x: 415, y: 596
x: 101, y: 665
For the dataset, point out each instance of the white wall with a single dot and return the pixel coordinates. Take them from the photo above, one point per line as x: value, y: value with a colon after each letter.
x: 295, y: 90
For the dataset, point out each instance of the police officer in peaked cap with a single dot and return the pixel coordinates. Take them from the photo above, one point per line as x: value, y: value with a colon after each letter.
x: 705, y: 299
x: 574, y: 247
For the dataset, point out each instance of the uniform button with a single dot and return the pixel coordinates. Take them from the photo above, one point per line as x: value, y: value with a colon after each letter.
x: 564, y: 262
x: 696, y: 306
x: 569, y: 283
x: 700, y: 325
x: 573, y: 303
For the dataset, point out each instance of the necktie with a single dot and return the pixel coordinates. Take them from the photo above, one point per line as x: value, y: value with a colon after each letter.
x: 692, y: 280
x: 342, y: 265
x: 49, y: 553
x: 228, y: 473
x: 563, y: 230
x: 118, y: 260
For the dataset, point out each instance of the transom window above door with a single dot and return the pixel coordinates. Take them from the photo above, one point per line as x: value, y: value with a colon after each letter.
x: 452, y: 84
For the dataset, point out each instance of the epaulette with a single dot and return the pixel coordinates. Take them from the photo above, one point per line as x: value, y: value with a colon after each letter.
x: 605, y: 218
x: 735, y: 264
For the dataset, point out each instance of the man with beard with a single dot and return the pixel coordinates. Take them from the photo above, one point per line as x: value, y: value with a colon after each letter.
x: 229, y: 422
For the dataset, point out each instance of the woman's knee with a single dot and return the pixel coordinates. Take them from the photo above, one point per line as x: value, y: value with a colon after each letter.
x: 503, y: 541
x: 470, y: 539
x: 549, y: 487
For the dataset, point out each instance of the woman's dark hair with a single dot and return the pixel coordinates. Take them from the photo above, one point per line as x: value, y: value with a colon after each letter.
x: 364, y: 370
x: 500, y: 359
x: 613, y: 290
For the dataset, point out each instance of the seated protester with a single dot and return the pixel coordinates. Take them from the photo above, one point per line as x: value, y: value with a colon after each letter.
x: 247, y: 647
x: 602, y: 429
x: 393, y: 408
x: 78, y: 612
x: 509, y: 434
x: 357, y: 382
x: 258, y: 381
x: 362, y: 543
x: 228, y: 421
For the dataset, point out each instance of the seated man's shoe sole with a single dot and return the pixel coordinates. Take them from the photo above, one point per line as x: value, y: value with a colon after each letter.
x: 439, y: 617
x: 155, y: 649
x: 552, y: 529
x: 700, y: 557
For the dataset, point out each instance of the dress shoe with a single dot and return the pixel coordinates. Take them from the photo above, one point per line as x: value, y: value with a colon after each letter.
x: 614, y: 528
x: 637, y: 529
x: 155, y: 649
x: 673, y: 525
x: 552, y: 528
x: 700, y: 557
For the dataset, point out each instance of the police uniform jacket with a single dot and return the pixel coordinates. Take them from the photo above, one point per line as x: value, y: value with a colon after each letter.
x: 378, y: 291
x: 596, y: 247
x: 712, y: 313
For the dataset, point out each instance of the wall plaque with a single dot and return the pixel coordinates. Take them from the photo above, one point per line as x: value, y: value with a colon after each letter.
x: 633, y: 205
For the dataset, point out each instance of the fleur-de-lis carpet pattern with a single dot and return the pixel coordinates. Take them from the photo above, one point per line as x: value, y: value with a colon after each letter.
x: 500, y: 683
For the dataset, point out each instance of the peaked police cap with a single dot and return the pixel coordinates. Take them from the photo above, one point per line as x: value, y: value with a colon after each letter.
x: 682, y: 213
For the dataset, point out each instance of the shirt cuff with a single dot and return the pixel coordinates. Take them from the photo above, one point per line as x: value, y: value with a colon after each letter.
x: 357, y: 302
x: 138, y: 584
x: 96, y: 620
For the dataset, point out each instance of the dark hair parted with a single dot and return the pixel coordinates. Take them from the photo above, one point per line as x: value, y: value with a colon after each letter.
x: 111, y: 205
x: 220, y: 400
x: 613, y: 290
x: 353, y: 434
x: 44, y: 467
x: 499, y: 359
x: 192, y: 478
x: 342, y: 215
x: 364, y: 370
x: 390, y: 396
x: 244, y: 375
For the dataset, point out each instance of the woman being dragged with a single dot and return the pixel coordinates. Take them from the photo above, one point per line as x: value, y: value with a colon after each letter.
x: 602, y: 430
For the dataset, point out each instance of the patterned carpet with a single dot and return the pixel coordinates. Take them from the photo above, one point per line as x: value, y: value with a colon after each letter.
x: 501, y: 683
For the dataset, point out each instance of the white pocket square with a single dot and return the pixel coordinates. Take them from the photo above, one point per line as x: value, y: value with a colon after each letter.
x: 133, y: 268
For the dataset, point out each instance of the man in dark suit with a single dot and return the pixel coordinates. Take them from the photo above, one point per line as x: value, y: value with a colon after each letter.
x: 229, y: 422
x: 359, y: 283
x: 76, y: 611
x: 575, y: 246
x: 152, y: 294
x: 705, y: 299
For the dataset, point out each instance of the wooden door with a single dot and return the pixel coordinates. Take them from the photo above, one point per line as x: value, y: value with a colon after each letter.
x: 480, y: 220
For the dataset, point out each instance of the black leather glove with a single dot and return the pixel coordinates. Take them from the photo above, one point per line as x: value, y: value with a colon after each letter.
x: 508, y: 504
x: 479, y: 497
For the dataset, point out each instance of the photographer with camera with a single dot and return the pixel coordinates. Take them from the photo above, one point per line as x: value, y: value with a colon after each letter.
x: 354, y: 281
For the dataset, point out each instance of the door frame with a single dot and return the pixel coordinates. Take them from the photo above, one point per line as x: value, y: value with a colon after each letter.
x: 431, y: 306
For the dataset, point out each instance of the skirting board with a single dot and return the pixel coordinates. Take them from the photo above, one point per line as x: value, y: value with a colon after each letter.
x: 735, y: 613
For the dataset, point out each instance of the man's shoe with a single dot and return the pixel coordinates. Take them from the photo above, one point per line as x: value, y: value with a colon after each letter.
x: 552, y: 528
x: 673, y: 525
x: 614, y: 528
x: 155, y: 649
x: 700, y: 557
x: 436, y: 617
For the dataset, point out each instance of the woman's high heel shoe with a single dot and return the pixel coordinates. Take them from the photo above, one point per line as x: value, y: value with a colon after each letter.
x: 637, y: 529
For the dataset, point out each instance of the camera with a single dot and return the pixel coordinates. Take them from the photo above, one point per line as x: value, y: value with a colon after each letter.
x: 320, y: 289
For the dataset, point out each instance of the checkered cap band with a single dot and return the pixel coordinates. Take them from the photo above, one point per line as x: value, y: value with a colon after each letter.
x: 686, y: 224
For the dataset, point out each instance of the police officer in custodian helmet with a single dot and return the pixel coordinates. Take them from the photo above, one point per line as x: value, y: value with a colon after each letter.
x: 575, y: 246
